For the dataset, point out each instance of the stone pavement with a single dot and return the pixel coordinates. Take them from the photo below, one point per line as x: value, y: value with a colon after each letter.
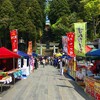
x: 45, y: 84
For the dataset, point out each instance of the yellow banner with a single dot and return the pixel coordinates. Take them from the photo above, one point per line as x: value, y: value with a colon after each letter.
x: 80, y: 38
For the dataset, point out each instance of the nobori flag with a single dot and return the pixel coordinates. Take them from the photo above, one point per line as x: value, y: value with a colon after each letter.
x: 80, y: 38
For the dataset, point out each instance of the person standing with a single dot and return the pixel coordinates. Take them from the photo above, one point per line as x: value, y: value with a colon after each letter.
x: 61, y: 66
x: 35, y: 63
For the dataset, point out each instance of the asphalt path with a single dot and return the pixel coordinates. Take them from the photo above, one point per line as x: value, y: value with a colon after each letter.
x: 45, y: 84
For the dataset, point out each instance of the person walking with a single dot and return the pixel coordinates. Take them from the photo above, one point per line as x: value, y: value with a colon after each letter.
x: 61, y: 66
x: 43, y: 61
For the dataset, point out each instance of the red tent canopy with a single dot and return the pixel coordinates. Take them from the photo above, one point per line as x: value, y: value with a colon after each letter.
x: 5, y: 53
x: 88, y: 48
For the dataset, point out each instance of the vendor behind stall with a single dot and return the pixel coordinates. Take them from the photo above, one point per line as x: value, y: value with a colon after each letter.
x: 89, y: 70
x: 96, y: 67
x: 2, y: 68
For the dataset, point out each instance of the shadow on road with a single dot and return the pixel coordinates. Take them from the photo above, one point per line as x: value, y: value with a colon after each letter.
x: 78, y: 88
x: 64, y: 86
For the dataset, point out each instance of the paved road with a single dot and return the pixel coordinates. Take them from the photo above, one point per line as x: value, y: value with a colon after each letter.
x: 45, y: 84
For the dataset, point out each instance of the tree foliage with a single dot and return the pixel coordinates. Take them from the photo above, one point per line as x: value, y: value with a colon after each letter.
x: 6, y: 14
x: 58, y: 8
x: 84, y: 10
x: 92, y: 11
x: 64, y: 25
x: 25, y: 15
x: 28, y: 16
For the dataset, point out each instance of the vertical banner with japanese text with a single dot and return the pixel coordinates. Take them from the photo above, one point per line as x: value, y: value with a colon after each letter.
x: 14, y: 40
x: 70, y: 44
x: 80, y: 38
x: 29, y: 52
x: 64, y: 43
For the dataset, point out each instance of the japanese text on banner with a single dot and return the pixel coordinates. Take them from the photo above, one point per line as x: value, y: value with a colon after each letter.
x: 80, y: 38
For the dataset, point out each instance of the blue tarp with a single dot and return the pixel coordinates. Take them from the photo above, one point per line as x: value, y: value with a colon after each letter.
x: 22, y: 54
x: 94, y: 52
x: 66, y: 56
x: 34, y: 54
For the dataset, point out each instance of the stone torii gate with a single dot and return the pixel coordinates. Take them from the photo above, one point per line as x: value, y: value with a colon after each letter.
x: 52, y: 47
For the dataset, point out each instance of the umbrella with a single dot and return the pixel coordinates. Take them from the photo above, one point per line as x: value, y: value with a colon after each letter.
x: 93, y: 52
x: 58, y: 54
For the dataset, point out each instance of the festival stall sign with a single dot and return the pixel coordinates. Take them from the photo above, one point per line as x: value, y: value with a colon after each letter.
x: 64, y: 43
x: 70, y: 44
x: 14, y: 40
x: 80, y: 38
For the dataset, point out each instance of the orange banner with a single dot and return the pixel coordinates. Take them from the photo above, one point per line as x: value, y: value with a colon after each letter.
x: 29, y: 52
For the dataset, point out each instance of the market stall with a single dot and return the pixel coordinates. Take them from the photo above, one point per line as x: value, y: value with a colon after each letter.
x: 23, y: 63
x: 77, y: 67
x: 8, y: 63
x: 92, y: 82
x: 92, y: 87
x: 5, y: 80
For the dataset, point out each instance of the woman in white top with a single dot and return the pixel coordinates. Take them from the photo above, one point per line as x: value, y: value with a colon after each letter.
x: 61, y: 66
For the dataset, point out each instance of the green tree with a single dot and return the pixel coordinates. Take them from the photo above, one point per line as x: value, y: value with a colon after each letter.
x: 36, y: 16
x: 22, y: 20
x: 6, y: 14
x: 92, y: 11
x: 64, y: 25
x: 58, y: 8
